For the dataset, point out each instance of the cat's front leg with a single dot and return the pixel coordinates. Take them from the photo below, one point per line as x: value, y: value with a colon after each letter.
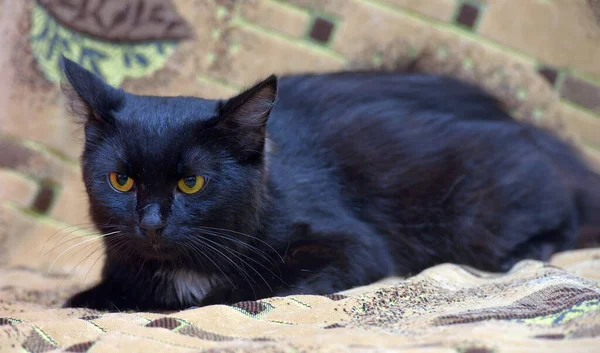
x: 326, y: 281
x: 349, y: 265
x: 103, y: 296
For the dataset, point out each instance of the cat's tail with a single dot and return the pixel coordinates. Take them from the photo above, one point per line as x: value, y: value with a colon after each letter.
x: 581, y: 179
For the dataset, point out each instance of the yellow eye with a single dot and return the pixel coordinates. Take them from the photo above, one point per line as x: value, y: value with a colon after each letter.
x: 120, y: 182
x: 191, y: 184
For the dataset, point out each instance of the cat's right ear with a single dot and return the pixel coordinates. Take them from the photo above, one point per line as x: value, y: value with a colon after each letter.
x: 88, y: 96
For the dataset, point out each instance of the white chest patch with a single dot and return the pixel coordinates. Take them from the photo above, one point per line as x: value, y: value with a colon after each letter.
x: 190, y: 287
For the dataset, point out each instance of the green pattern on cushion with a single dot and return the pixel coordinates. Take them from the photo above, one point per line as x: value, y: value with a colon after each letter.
x: 573, y: 312
x: 49, y: 40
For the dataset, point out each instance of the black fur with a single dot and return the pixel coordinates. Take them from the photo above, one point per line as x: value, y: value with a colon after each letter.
x: 363, y: 175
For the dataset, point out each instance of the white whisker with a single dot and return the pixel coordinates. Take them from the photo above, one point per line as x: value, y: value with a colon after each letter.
x: 78, y: 244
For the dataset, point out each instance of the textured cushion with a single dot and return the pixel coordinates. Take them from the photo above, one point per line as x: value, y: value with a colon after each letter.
x: 546, y: 307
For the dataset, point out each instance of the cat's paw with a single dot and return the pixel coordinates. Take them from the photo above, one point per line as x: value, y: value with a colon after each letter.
x: 82, y: 300
x: 93, y: 298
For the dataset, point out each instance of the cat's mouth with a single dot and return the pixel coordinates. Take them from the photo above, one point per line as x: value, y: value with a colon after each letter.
x: 155, y: 249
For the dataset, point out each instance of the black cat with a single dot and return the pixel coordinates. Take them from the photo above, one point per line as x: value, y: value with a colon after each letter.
x: 314, y: 184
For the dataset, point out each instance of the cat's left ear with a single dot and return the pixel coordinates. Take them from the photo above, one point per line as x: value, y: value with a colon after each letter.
x: 243, y: 118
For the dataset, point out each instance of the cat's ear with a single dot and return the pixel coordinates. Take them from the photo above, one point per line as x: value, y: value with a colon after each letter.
x: 244, y: 117
x: 88, y: 96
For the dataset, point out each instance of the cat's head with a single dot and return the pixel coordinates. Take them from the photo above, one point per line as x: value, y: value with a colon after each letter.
x: 167, y: 175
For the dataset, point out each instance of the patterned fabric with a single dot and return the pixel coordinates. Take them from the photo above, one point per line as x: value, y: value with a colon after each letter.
x: 448, y: 308
x: 130, y: 38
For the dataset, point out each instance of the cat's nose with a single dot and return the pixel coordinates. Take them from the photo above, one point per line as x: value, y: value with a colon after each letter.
x: 151, y: 223
x: 151, y: 227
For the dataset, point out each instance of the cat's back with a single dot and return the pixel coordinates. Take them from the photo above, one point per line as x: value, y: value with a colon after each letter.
x: 317, y: 108
x: 319, y: 116
x: 322, y: 97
